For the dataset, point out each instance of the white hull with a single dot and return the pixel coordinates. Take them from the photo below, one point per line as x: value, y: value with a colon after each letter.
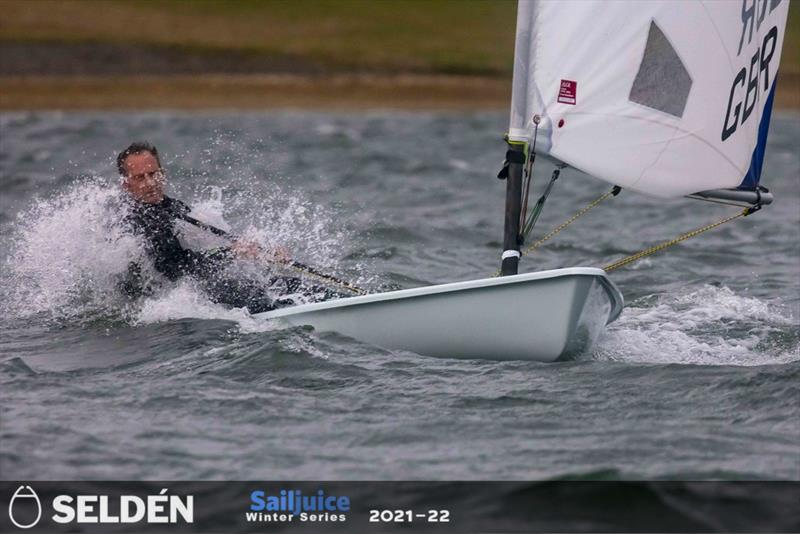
x: 539, y: 316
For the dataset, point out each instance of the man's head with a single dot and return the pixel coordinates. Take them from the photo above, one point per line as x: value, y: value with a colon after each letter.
x: 142, y: 175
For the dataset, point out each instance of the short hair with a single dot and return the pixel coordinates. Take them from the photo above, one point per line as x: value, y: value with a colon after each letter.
x: 135, y: 148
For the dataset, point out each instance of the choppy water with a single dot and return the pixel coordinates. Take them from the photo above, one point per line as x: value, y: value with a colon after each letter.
x: 697, y: 379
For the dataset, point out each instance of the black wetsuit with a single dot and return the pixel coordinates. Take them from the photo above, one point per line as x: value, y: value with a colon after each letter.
x: 156, y: 223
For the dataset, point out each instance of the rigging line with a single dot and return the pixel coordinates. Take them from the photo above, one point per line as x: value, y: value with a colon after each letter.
x: 537, y: 209
x: 330, y: 280
x: 580, y: 213
x: 652, y: 250
x: 529, y: 173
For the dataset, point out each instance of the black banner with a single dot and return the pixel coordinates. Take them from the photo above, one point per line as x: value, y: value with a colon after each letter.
x: 458, y: 507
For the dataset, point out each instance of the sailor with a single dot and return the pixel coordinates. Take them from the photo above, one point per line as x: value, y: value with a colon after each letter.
x: 153, y: 216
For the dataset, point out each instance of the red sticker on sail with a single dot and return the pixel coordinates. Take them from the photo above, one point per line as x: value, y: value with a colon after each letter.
x: 568, y: 92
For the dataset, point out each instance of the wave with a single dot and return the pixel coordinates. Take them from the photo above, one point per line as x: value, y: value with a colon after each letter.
x: 185, y: 301
x: 711, y: 325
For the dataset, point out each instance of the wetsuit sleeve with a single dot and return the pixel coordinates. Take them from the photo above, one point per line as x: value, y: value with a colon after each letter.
x: 156, y: 224
x: 131, y: 285
x: 206, y: 264
x: 179, y: 260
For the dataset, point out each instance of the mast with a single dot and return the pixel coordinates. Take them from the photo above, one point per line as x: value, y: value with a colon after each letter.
x: 512, y: 172
x: 518, y: 137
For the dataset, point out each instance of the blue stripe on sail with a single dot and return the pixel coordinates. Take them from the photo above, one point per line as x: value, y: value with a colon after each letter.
x: 754, y: 172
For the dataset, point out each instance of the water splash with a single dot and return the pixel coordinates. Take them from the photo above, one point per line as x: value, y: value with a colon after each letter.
x: 708, y: 326
x: 68, y: 253
x: 186, y: 301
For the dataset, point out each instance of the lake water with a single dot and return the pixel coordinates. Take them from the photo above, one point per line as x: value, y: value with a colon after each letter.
x: 699, y: 378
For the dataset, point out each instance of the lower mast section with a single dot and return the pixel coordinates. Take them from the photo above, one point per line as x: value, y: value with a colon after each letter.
x: 512, y: 172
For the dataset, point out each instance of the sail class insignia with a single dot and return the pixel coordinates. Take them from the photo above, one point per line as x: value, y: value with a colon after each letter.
x: 24, y: 508
x: 662, y: 82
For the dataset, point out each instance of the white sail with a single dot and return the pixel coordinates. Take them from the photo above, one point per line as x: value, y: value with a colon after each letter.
x: 665, y: 97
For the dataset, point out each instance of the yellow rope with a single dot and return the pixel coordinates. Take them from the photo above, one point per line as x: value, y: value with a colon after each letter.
x: 662, y: 246
x: 329, y: 280
x: 639, y: 255
x: 580, y: 213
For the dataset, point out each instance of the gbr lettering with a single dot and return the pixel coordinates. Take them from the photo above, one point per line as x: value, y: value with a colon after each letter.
x: 748, y: 77
x: 745, y: 88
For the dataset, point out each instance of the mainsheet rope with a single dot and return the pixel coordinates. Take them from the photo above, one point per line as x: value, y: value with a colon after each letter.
x: 643, y: 253
x: 580, y: 213
x: 296, y: 266
x: 652, y: 250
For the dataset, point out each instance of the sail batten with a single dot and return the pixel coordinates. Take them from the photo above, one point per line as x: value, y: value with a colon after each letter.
x: 662, y: 97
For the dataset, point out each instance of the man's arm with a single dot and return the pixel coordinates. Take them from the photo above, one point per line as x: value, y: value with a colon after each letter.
x: 132, y: 284
x: 206, y: 264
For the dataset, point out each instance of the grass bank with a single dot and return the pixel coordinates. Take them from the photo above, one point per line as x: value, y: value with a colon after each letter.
x: 445, y: 36
x: 259, y: 91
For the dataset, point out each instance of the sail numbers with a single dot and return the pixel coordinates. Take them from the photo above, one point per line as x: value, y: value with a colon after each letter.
x: 759, y: 63
x: 746, y: 80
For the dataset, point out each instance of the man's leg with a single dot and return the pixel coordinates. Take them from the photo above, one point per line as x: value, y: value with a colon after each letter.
x: 241, y: 294
x: 289, y: 285
x: 257, y: 297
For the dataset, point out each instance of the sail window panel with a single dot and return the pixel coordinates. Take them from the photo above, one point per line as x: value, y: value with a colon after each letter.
x: 662, y: 82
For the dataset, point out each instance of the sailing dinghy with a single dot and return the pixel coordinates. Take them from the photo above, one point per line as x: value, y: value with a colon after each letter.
x: 668, y: 99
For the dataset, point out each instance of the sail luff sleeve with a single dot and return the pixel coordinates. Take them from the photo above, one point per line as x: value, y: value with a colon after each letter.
x: 520, y: 123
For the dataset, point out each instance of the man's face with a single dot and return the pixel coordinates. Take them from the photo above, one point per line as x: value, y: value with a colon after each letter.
x: 144, y: 178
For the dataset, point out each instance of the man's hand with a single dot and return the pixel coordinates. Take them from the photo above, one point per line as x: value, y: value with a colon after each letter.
x: 280, y: 254
x: 246, y: 250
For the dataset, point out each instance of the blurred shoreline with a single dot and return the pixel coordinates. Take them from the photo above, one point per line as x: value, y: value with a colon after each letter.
x: 405, y: 91
x: 352, y: 54
x: 254, y: 91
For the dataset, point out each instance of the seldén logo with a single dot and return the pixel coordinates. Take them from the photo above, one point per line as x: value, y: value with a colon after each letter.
x: 22, y: 503
x: 25, y: 509
x: 290, y: 505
